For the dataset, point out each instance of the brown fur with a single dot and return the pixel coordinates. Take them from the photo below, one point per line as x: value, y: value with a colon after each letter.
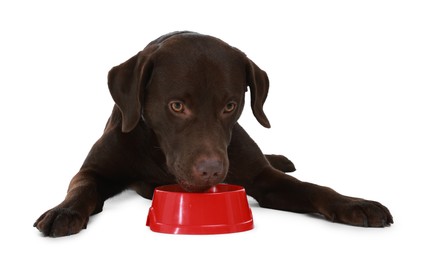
x: 175, y: 121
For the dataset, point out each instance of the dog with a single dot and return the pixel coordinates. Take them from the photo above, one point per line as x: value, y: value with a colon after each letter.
x: 177, y: 103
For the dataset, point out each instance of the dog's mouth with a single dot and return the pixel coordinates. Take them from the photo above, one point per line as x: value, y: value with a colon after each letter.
x: 187, y: 186
x: 201, y: 175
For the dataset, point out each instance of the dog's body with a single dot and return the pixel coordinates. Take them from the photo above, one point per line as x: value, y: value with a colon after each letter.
x: 177, y: 104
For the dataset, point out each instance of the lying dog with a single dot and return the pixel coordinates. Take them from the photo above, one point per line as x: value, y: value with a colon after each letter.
x: 175, y: 121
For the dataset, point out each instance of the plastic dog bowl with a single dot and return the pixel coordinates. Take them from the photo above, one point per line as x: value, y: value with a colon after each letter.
x: 222, y: 209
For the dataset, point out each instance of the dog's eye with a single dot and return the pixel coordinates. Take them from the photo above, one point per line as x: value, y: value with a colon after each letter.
x: 177, y: 106
x: 230, y: 107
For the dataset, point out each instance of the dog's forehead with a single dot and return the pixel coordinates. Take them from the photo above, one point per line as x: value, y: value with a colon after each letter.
x: 194, y: 41
x: 195, y: 51
x: 198, y: 61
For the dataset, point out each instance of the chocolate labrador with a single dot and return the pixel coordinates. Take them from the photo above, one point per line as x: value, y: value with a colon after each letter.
x: 177, y: 103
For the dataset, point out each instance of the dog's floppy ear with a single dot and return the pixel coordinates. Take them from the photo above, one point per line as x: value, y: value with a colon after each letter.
x: 126, y: 84
x: 258, y: 82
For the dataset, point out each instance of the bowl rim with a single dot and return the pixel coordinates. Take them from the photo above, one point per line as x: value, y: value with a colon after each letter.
x: 221, y: 188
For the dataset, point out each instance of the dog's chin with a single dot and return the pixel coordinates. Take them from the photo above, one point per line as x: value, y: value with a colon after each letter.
x: 189, y: 187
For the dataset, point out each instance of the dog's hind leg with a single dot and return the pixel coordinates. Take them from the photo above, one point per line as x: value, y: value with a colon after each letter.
x: 280, y: 162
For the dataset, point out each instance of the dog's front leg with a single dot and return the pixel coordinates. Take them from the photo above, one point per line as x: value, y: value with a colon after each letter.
x: 276, y: 190
x: 84, y: 198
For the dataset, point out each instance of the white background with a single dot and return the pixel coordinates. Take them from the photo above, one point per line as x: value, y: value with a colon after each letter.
x: 348, y: 104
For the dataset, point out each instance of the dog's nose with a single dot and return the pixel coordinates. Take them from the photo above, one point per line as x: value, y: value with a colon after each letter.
x: 210, y: 170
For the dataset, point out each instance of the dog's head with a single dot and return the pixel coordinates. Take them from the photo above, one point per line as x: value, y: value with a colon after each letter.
x: 189, y: 89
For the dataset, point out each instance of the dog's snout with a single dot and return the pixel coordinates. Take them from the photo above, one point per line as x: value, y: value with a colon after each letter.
x: 209, y: 170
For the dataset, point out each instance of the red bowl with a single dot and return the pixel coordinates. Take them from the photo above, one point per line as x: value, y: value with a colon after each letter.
x: 222, y: 209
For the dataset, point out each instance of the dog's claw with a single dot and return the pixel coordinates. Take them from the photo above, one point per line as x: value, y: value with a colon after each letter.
x: 360, y: 212
x: 59, y: 222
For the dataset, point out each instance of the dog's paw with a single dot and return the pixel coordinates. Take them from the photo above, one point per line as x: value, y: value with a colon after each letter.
x: 60, y: 222
x: 360, y: 212
x: 280, y: 162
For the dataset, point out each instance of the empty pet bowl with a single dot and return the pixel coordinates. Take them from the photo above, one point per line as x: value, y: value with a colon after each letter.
x: 222, y: 209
